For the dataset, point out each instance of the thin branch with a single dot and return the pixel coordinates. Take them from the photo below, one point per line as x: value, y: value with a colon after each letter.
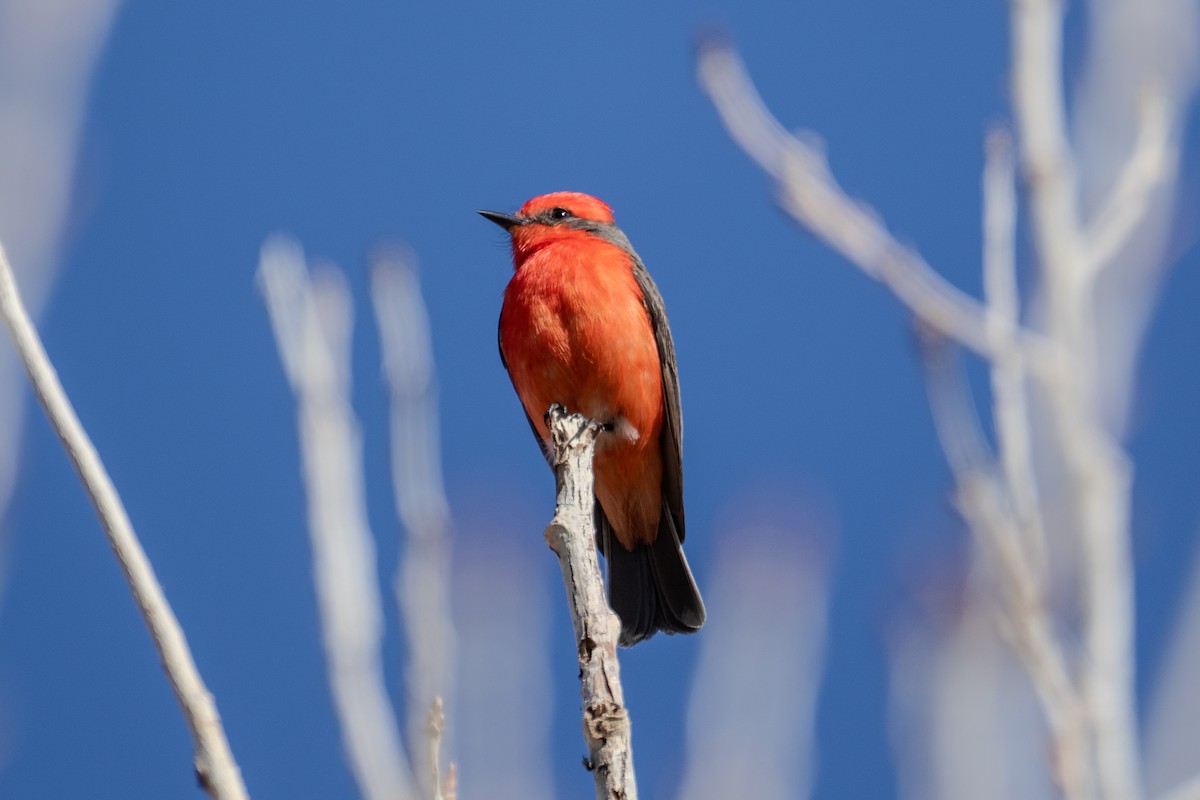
x: 1026, y: 621
x: 311, y: 318
x: 756, y: 738
x: 960, y: 718
x: 808, y: 192
x: 1097, y: 472
x: 502, y: 618
x: 422, y: 583
x: 50, y: 49
x: 1150, y: 166
x: 215, y: 767
x: 572, y: 536
x: 1040, y: 111
x: 1064, y: 360
x: 1008, y: 369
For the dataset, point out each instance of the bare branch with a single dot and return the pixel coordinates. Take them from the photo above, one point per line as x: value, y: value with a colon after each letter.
x: 1132, y: 56
x: 1040, y: 110
x: 422, y: 583
x: 1060, y: 368
x: 311, y: 318
x: 982, y: 501
x: 1008, y: 369
x: 962, y: 722
x: 1150, y: 165
x: 50, y: 49
x: 1097, y: 473
x: 502, y: 618
x: 217, y: 771
x: 572, y: 536
x: 756, y: 738
x: 810, y: 195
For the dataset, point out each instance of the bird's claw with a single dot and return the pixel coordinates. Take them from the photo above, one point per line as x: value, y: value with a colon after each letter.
x: 556, y: 410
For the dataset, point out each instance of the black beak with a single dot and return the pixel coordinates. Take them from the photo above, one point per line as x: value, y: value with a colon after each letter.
x: 506, y: 221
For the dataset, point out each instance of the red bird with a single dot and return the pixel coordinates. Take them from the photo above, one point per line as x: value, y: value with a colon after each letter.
x: 583, y: 325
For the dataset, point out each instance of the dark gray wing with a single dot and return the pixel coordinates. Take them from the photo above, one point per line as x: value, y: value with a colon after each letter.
x: 673, y: 601
x: 671, y: 440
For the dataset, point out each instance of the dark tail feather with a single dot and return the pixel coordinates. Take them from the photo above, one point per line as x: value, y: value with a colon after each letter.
x: 650, y: 587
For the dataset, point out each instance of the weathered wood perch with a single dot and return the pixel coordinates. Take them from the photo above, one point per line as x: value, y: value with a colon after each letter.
x: 572, y: 536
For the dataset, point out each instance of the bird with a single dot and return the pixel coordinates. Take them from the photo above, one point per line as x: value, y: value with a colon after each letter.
x: 583, y: 325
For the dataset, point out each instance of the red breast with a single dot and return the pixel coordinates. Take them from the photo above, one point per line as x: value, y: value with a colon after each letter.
x: 574, y: 330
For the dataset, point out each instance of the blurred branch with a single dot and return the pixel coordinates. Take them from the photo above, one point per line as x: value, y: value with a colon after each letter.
x: 1093, y: 716
x: 48, y: 54
x: 572, y: 536
x: 755, y: 738
x: 216, y: 769
x: 1130, y: 58
x: 1040, y: 111
x: 1008, y: 369
x: 311, y: 318
x: 981, y: 499
x: 1096, y: 470
x: 1152, y: 161
x: 422, y: 583
x: 808, y: 192
x: 962, y: 723
x: 503, y: 715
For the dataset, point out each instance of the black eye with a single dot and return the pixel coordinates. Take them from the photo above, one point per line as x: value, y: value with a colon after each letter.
x: 560, y: 213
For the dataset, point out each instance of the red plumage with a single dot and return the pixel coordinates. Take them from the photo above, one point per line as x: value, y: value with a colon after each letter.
x: 583, y: 325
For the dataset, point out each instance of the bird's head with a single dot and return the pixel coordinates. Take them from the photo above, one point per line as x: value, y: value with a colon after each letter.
x: 555, y: 217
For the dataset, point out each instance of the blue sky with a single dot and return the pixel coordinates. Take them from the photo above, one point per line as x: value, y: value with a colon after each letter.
x: 210, y: 128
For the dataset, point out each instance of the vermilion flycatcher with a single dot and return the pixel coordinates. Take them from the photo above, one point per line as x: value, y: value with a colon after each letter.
x: 583, y: 325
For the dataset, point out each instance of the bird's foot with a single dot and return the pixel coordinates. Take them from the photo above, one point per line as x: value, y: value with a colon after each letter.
x: 565, y: 426
x: 555, y: 411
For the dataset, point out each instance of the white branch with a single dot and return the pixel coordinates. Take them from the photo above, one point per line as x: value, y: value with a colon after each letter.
x: 1060, y: 367
x: 572, y: 536
x: 1150, y: 165
x: 217, y: 771
x: 962, y: 722
x: 423, y: 581
x: 1098, y: 476
x: 50, y: 49
x: 1008, y: 369
x: 1131, y: 57
x: 755, y: 738
x: 810, y: 195
x: 504, y: 710
x: 1026, y: 620
x: 1040, y: 111
x: 311, y: 318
